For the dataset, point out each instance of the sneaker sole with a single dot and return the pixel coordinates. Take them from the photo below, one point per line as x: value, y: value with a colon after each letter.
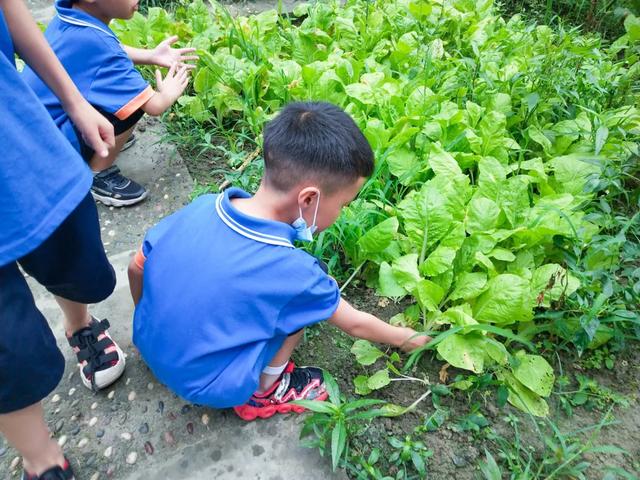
x: 249, y: 413
x: 114, y: 202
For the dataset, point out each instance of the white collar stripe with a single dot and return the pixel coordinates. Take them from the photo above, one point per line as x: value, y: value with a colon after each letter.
x: 247, y: 232
x: 82, y: 23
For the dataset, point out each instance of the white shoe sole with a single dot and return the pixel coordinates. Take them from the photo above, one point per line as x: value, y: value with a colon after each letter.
x: 104, y: 378
x: 115, y: 202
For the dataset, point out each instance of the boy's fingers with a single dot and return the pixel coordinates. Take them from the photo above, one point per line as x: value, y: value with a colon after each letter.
x: 189, y: 57
x: 172, y: 70
x: 158, y: 77
x: 186, y: 50
x: 171, y: 40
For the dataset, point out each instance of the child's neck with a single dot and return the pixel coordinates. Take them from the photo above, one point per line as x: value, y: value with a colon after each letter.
x: 266, y: 204
x: 93, y: 11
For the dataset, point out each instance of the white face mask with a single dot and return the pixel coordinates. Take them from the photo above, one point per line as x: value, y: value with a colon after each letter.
x: 304, y: 232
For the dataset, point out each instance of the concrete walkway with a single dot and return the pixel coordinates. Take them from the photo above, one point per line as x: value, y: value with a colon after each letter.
x: 138, y: 429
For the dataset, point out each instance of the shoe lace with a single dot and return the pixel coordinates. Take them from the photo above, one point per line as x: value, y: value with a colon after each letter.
x: 112, y: 175
x: 92, y: 350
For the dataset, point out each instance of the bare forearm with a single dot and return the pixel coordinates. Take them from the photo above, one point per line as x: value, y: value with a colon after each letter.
x: 139, y: 56
x: 135, y: 282
x: 158, y: 104
x: 369, y: 327
x: 33, y: 48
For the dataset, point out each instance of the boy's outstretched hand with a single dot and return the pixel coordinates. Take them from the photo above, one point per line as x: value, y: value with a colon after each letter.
x: 174, y: 83
x: 165, y: 56
x: 414, y: 340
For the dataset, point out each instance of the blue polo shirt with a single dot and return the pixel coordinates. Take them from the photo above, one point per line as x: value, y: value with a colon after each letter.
x: 95, y: 60
x: 221, y: 293
x: 42, y: 179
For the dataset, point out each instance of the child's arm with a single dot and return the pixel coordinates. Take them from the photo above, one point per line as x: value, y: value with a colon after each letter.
x: 364, y: 325
x: 168, y: 90
x: 32, y: 47
x: 135, y: 272
x: 163, y: 55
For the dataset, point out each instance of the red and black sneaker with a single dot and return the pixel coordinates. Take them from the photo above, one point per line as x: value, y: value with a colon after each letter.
x: 56, y: 473
x: 295, y: 383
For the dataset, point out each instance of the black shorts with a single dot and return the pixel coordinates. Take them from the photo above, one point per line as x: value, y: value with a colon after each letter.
x: 119, y: 127
x: 72, y: 264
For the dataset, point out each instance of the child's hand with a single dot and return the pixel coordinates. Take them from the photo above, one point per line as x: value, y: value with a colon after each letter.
x: 165, y: 56
x: 176, y: 80
x: 96, y: 130
x: 414, y: 340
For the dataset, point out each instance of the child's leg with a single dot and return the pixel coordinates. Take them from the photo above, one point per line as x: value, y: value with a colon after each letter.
x: 27, y: 431
x: 279, y: 361
x: 98, y: 164
x: 109, y: 185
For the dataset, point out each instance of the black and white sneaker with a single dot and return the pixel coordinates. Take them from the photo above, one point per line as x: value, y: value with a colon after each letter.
x: 129, y: 143
x: 114, y: 189
x: 56, y: 473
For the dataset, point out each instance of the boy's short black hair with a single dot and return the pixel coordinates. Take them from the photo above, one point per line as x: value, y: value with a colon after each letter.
x: 315, y: 141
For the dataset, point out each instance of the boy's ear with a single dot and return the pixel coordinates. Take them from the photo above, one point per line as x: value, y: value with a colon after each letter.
x: 308, y: 196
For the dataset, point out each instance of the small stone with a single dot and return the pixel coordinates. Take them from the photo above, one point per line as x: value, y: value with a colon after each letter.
x: 74, y: 418
x: 458, y: 461
x: 14, y: 463
x: 93, y: 421
x: 160, y: 407
x: 58, y: 426
x: 128, y: 381
x: 94, y: 405
x: 131, y: 458
x: 166, y: 197
x: 83, y: 442
x: 148, y: 448
x: 111, y: 233
x: 144, y: 428
x: 3, y: 450
x: 169, y: 438
x: 190, y: 428
x: 126, y: 436
x: 75, y: 403
x: 185, y: 409
x: 100, y: 433
x: 205, y: 419
x: 55, y: 398
x: 76, y: 430
x: 111, y: 394
x: 111, y: 469
x: 95, y: 476
x: 149, y: 386
x: 123, y: 418
x: 62, y: 440
x: 172, y: 416
x: 132, y: 396
x: 72, y: 391
x: 108, y: 452
x: 70, y: 376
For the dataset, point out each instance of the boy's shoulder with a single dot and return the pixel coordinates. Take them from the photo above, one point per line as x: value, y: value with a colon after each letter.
x: 82, y: 36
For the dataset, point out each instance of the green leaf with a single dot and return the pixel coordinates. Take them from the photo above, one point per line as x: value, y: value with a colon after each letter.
x: 632, y: 26
x: 332, y: 388
x: 492, y: 175
x: 482, y: 215
x: 601, y: 137
x: 442, y: 162
x: 506, y: 300
x: 440, y: 260
x: 537, y: 136
x: 571, y: 172
x: 361, y: 92
x: 403, y: 164
x: 379, y: 379
x: 338, y: 442
x: 459, y: 315
x: 535, y: 373
x: 524, y: 399
x: 360, y: 382
x: 379, y: 237
x: 405, y: 271
x: 318, y: 407
x: 468, y: 285
x: 387, y: 284
x: 429, y: 294
x: 366, y: 353
x: 463, y: 351
x: 489, y: 468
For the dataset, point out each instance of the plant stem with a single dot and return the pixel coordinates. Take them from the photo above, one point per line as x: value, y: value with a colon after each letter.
x: 351, y: 277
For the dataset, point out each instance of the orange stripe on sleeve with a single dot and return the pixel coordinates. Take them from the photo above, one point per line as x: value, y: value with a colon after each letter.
x: 135, y: 103
x: 139, y: 259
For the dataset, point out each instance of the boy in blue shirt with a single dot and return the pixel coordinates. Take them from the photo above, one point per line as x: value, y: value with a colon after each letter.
x: 223, y: 295
x: 103, y: 70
